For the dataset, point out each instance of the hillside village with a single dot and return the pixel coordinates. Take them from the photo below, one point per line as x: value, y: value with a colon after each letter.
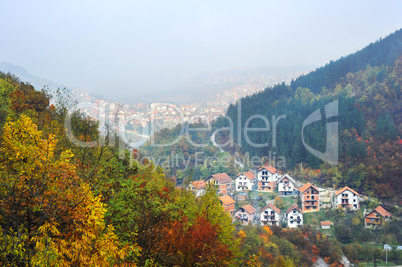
x: 236, y: 198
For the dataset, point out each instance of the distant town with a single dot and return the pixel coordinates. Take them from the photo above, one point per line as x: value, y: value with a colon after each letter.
x: 166, y: 115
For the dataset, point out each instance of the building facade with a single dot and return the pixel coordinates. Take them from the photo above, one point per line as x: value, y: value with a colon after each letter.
x: 294, y: 217
x: 245, y: 181
x: 267, y: 177
x: 270, y: 215
x: 245, y: 214
x: 223, y: 182
x: 310, y: 198
x: 286, y: 186
x: 347, y: 198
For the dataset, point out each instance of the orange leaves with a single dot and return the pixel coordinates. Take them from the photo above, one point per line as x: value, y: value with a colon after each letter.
x: 198, y: 244
x: 242, y: 234
x: 18, y: 101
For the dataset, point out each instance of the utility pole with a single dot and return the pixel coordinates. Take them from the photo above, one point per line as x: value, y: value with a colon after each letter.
x: 386, y: 256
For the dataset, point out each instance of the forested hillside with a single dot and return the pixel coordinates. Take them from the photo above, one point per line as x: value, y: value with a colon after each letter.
x: 369, y: 104
x: 382, y: 52
x: 367, y: 85
x: 68, y: 205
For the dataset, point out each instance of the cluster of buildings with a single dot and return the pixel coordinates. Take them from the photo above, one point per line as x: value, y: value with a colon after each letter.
x: 269, y: 179
x: 164, y: 115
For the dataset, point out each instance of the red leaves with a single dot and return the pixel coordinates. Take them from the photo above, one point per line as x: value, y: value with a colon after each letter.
x: 198, y: 244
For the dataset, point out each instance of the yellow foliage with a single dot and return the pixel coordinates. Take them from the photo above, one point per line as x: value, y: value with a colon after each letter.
x: 71, y: 230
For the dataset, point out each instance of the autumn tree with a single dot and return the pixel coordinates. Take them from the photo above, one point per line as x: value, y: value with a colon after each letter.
x: 47, y: 211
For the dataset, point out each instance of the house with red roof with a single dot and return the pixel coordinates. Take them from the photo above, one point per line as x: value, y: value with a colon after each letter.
x: 267, y: 176
x: 198, y: 187
x: 245, y: 181
x: 245, y: 214
x: 376, y: 217
x: 222, y: 181
x: 326, y: 225
x: 294, y: 216
x: 270, y: 215
x: 309, y: 195
x: 228, y: 203
x: 347, y: 198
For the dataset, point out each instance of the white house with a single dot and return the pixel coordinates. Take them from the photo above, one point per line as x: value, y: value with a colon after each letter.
x: 245, y: 181
x: 245, y: 214
x: 347, y: 198
x: 286, y: 186
x: 294, y: 216
x: 198, y: 187
x: 267, y: 177
x: 270, y: 215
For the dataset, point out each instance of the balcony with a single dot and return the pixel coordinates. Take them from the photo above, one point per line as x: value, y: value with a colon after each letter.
x: 242, y: 187
x: 311, y: 204
x: 269, y: 219
x: 373, y: 220
x: 242, y: 218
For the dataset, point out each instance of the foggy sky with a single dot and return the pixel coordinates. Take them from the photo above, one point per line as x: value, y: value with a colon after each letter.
x: 117, y: 48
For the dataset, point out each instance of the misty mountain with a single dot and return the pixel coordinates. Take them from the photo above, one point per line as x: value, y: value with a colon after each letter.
x: 25, y: 76
x: 208, y: 84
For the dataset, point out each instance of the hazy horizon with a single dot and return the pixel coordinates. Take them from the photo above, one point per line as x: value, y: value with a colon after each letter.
x: 124, y: 49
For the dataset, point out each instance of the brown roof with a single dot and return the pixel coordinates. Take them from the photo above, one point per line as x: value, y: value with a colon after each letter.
x: 199, y: 184
x: 270, y: 169
x: 222, y: 178
x: 250, y: 209
x: 382, y: 211
x: 344, y: 189
x: 326, y: 223
x: 294, y: 207
x: 249, y: 175
x: 272, y: 206
x: 306, y: 186
x: 227, y: 200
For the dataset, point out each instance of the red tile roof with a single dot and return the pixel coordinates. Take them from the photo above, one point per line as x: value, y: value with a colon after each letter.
x: 199, y: 184
x: 294, y: 207
x: 250, y: 209
x: 344, y: 189
x: 222, y: 178
x: 270, y: 169
x: 326, y: 223
x: 382, y: 211
x: 306, y: 186
x: 249, y: 175
x: 227, y: 200
x: 272, y: 206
